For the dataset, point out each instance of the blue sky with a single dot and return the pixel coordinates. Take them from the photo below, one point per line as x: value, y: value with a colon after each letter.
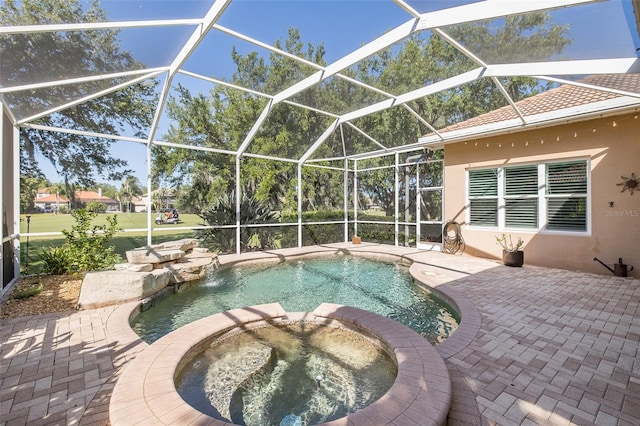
x: 341, y: 25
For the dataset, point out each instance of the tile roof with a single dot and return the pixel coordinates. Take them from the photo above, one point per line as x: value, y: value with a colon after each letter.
x: 82, y: 196
x: 51, y: 198
x: 565, y: 96
x: 85, y: 196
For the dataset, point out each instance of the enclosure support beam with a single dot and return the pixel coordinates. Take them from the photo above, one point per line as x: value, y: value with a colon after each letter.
x: 299, y: 189
x: 238, y: 199
x: 396, y: 199
x: 16, y: 201
x: 355, y: 198
x: 9, y: 231
x: 149, y: 189
x: 345, y: 197
x: 2, y: 197
x: 256, y: 127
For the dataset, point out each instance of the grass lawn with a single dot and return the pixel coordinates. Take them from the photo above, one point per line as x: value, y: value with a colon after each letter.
x: 123, y: 241
x: 49, y: 222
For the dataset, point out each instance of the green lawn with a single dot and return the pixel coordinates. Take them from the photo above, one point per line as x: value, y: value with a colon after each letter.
x: 123, y: 241
x: 49, y: 222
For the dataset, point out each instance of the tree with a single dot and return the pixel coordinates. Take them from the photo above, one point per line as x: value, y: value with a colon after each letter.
x: 78, y: 159
x: 421, y: 61
x: 60, y: 190
x: 222, y: 118
x: 96, y: 207
x: 106, y: 190
x: 160, y: 198
x: 131, y: 187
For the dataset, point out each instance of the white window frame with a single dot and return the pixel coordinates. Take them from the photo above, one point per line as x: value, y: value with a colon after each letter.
x: 542, y: 199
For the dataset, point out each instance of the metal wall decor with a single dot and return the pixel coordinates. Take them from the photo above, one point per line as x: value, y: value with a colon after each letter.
x: 629, y: 184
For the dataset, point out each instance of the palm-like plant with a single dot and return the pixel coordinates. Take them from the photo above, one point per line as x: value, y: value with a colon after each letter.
x: 60, y: 189
x: 223, y: 212
x: 130, y: 188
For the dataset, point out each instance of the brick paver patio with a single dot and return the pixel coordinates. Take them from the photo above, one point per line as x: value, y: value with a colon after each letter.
x: 552, y: 347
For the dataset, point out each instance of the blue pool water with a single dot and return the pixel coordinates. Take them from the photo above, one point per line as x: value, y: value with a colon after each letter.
x: 384, y: 288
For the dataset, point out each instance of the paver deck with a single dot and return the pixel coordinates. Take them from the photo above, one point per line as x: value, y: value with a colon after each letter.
x: 545, y: 346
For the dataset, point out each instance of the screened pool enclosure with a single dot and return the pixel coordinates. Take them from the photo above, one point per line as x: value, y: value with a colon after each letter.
x: 331, y: 115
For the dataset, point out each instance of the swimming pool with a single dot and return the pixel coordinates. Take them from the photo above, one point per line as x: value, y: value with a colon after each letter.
x: 383, y: 288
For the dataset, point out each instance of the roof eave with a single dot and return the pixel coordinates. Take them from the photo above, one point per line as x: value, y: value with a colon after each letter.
x: 600, y: 109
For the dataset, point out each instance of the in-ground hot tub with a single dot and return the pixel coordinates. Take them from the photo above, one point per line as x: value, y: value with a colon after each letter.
x: 420, y: 392
x: 292, y: 372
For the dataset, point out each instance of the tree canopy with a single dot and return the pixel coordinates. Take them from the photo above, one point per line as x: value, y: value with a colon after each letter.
x: 223, y: 117
x: 79, y: 160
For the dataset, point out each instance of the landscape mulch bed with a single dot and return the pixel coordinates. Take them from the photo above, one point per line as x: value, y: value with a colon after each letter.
x: 59, y: 293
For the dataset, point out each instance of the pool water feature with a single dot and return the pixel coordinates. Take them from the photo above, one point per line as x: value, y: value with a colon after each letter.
x: 383, y: 288
x: 298, y: 373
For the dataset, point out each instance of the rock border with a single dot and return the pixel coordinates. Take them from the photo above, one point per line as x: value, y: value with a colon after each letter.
x: 149, y: 270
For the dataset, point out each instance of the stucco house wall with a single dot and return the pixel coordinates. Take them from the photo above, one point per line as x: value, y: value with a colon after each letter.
x: 612, y: 144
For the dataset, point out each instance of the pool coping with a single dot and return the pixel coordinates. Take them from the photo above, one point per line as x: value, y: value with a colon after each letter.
x: 421, y: 393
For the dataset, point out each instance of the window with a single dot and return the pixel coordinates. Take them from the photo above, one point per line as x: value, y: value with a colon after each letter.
x: 549, y: 196
x: 521, y: 197
x: 483, y: 197
x: 567, y: 196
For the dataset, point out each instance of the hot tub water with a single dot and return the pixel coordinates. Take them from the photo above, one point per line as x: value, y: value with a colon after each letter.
x: 301, y: 372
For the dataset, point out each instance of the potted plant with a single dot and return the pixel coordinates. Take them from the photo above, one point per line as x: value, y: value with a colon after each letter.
x: 511, y: 253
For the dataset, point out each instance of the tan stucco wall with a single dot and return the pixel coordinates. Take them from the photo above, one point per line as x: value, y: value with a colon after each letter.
x: 614, y: 151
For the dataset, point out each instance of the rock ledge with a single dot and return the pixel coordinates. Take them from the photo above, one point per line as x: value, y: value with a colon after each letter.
x: 149, y: 270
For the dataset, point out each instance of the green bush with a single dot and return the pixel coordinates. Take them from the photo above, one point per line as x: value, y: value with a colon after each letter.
x: 55, y: 260
x: 85, y: 248
x: 314, y: 233
x: 223, y: 212
x: 96, y: 207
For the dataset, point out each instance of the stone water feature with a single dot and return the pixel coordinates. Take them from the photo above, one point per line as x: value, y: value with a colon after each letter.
x: 148, y: 270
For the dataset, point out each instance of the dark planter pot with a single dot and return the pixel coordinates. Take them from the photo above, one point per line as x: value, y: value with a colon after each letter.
x: 513, y: 258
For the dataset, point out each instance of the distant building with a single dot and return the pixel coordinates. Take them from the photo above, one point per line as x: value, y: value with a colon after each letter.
x: 139, y: 203
x: 167, y: 195
x: 47, y: 202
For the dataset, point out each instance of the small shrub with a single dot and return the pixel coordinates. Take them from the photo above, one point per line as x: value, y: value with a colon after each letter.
x: 85, y: 248
x: 96, y: 207
x: 55, y: 260
x: 27, y: 292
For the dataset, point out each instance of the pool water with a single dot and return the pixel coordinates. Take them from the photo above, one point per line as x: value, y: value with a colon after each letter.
x: 298, y: 373
x: 300, y: 286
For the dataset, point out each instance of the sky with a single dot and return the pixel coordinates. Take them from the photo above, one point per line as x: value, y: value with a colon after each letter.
x: 341, y: 25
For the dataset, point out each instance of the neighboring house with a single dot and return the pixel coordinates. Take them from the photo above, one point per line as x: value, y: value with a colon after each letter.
x: 562, y: 181
x: 167, y: 200
x: 139, y: 203
x: 47, y: 202
x: 84, y: 197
